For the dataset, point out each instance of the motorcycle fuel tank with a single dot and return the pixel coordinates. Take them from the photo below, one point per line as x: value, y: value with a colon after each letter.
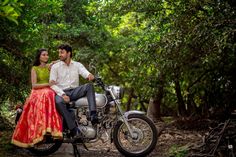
x: 101, y: 101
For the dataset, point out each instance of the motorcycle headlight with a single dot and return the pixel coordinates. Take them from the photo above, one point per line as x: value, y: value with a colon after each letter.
x: 117, y: 91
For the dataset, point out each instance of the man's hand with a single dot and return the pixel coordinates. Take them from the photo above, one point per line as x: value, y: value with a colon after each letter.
x: 66, y: 98
x: 90, y: 77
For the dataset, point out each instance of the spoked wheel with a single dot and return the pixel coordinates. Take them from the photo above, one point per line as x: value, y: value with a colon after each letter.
x: 43, y: 149
x: 144, y: 136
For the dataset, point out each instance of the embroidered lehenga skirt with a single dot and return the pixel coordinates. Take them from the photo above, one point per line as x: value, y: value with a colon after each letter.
x: 39, y: 117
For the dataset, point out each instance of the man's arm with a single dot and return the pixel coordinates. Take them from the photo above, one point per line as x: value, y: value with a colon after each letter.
x: 53, y: 78
x: 85, y: 73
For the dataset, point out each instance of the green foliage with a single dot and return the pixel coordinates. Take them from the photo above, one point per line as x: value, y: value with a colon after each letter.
x: 8, y: 112
x: 138, y: 44
x: 10, y: 9
x: 12, y: 83
x: 5, y: 142
x: 188, y: 42
x: 178, y: 151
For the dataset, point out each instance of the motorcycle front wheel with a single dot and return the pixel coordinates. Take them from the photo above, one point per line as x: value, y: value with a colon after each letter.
x: 144, y: 137
x: 44, y: 149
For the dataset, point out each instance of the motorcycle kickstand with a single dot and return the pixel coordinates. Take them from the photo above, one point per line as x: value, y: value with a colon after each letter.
x: 76, y: 151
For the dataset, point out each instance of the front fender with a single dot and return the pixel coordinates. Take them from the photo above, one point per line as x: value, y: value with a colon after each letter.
x: 126, y: 114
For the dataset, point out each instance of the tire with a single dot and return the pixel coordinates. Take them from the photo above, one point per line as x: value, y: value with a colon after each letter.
x: 44, y: 149
x: 145, y: 131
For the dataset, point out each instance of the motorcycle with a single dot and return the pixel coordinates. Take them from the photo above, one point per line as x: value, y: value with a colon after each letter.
x: 132, y: 132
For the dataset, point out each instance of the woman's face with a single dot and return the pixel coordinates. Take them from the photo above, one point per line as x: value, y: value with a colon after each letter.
x: 44, y: 57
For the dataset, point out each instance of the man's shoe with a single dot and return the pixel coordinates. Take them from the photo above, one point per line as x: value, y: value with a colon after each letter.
x: 76, y: 133
x: 94, y: 119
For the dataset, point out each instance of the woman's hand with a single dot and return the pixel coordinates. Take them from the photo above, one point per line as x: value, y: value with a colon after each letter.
x: 51, y: 64
x: 52, y: 82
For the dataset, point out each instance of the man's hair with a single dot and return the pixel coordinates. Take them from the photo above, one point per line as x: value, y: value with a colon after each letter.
x: 66, y: 47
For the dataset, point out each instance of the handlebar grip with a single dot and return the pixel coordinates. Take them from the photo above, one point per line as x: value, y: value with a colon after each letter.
x: 99, y: 82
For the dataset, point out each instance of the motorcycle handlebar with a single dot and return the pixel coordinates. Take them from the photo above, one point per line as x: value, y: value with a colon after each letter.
x: 99, y: 82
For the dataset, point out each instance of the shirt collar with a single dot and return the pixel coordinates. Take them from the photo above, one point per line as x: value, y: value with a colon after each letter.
x: 71, y: 62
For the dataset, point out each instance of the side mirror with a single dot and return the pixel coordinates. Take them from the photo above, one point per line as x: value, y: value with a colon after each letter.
x: 92, y: 68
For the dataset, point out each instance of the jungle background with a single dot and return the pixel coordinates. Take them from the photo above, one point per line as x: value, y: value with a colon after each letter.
x: 175, y: 58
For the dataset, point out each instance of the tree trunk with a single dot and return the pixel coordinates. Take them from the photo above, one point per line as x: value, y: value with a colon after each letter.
x: 191, y: 105
x: 205, y: 107
x: 143, y: 106
x: 152, y: 111
x: 154, y: 108
x: 131, y: 95
x: 181, y: 105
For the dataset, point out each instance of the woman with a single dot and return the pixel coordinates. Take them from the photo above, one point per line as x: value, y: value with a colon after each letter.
x: 39, y: 116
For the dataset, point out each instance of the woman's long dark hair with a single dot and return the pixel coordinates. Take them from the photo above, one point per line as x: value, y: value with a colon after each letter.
x: 37, y: 60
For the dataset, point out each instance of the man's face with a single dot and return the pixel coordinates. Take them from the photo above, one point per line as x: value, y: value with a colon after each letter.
x: 63, y: 54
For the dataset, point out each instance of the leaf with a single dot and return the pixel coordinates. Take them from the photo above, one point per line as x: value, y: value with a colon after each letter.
x: 13, y: 19
x: 8, y: 9
x: 5, y: 2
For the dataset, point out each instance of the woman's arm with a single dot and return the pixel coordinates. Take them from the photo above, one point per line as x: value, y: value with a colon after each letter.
x: 34, y: 81
x: 51, y: 64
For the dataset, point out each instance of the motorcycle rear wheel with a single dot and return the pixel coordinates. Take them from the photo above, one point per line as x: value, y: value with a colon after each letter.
x: 44, y: 149
x: 145, y: 138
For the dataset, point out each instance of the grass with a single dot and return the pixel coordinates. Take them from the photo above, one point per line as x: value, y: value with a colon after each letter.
x: 168, y: 120
x: 5, y: 142
x: 6, y: 130
x: 178, y: 151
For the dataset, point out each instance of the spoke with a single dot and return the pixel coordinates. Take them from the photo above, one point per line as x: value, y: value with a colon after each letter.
x: 143, y: 132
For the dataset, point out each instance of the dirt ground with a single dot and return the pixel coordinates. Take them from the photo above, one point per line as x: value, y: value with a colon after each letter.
x: 172, y: 141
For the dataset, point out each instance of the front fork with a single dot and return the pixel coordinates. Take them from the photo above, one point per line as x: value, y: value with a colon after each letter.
x: 125, y: 117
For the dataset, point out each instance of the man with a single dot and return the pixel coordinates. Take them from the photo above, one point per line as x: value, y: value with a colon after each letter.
x: 66, y: 76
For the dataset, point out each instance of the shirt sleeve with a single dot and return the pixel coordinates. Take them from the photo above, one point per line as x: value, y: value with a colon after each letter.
x: 53, y: 77
x: 58, y: 90
x: 83, y: 71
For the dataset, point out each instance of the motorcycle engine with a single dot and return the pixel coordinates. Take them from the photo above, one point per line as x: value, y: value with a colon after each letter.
x: 88, y: 131
x: 83, y: 124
